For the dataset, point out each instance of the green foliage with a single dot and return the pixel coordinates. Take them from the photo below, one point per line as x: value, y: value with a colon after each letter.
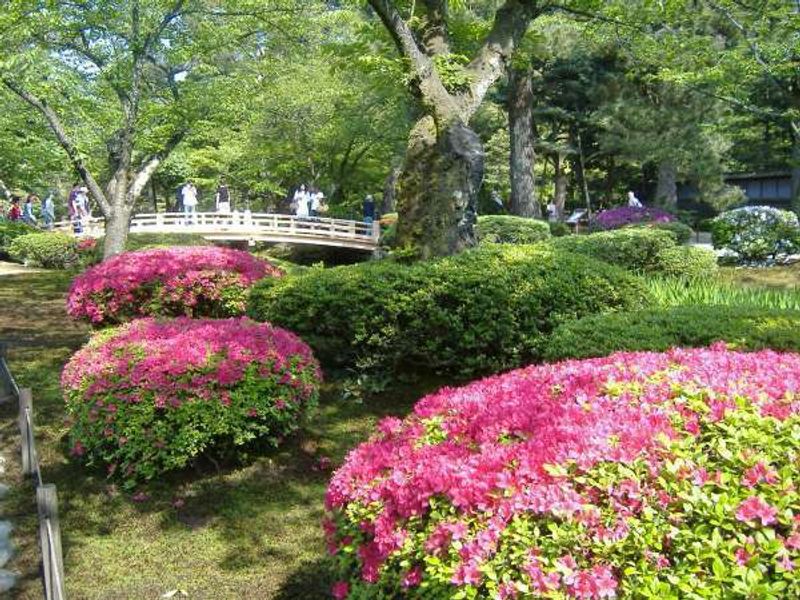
x: 10, y: 230
x: 681, y: 231
x: 508, y: 229
x: 687, y: 261
x: 632, y: 248
x: 704, y: 291
x: 481, y: 311
x: 49, y: 250
x: 658, y: 329
x: 756, y: 233
x: 559, y: 229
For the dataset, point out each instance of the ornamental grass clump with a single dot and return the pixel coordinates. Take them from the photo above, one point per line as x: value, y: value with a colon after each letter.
x: 152, y: 396
x: 181, y: 281
x: 639, y: 475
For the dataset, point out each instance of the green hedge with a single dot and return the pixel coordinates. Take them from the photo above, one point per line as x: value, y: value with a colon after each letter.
x: 481, y: 311
x: 681, y: 231
x: 508, y: 229
x: 9, y: 231
x: 690, y: 326
x: 632, y: 248
x: 50, y: 250
x: 687, y: 261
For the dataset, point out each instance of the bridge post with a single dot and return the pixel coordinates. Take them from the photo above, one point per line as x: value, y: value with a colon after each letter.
x: 376, y: 231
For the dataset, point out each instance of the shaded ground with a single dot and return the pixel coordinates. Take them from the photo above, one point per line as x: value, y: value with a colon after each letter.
x: 243, y: 532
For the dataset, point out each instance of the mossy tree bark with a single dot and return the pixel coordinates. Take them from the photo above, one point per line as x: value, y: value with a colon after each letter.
x: 443, y: 168
x: 521, y: 132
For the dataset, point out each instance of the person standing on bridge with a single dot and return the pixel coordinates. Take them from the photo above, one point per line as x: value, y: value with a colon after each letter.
x: 223, y: 198
x: 48, y: 211
x: 189, y: 198
x: 369, y: 209
x: 301, y: 203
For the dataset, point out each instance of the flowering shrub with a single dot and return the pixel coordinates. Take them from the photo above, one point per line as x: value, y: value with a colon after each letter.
x: 614, y: 218
x: 191, y: 281
x: 634, y: 476
x: 150, y: 396
x: 757, y: 233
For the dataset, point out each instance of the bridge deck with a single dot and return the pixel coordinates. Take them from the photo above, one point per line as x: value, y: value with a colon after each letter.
x: 252, y: 227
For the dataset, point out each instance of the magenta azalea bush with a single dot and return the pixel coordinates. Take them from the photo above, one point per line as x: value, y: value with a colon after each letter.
x: 195, y: 281
x: 614, y: 218
x: 151, y: 396
x: 639, y: 475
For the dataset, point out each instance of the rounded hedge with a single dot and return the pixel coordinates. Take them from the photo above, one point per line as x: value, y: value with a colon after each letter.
x: 480, y: 311
x: 636, y: 249
x: 681, y: 231
x: 687, y: 261
x: 190, y: 281
x: 9, y: 230
x: 151, y: 396
x: 659, y: 329
x: 51, y: 250
x: 508, y: 229
x: 634, y: 476
x: 756, y: 233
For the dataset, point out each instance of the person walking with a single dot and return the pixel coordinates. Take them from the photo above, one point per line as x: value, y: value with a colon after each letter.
x: 223, y: 198
x: 15, y: 212
x: 317, y: 198
x: 48, y: 211
x: 82, y: 203
x: 300, y: 203
x: 369, y: 209
x: 27, y: 210
x: 189, y: 200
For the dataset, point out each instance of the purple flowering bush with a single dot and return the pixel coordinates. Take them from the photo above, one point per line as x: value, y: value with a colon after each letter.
x: 614, y: 218
x: 638, y: 475
x: 151, y: 396
x: 192, y: 281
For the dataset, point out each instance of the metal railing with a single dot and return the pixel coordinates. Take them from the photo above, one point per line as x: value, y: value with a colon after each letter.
x: 249, y: 226
x: 46, y: 496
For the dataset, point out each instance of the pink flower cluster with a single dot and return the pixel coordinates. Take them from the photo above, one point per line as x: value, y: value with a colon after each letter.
x: 165, y: 281
x: 584, y: 446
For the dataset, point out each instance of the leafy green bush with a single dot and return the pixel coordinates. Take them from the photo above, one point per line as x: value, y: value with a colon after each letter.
x: 389, y: 236
x: 484, y: 310
x: 632, y: 248
x: 508, y: 229
x: 50, y: 250
x: 559, y: 229
x: 681, y: 231
x: 668, y: 292
x: 9, y: 231
x: 755, y: 234
x: 688, y: 326
x: 687, y: 261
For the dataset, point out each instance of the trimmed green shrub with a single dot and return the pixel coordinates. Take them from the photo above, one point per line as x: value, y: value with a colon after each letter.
x: 508, y: 229
x: 681, y: 231
x: 755, y: 234
x: 687, y: 326
x: 50, y: 250
x: 687, y: 261
x: 632, y: 248
x: 484, y: 310
x: 9, y: 231
x: 559, y: 229
x: 151, y: 396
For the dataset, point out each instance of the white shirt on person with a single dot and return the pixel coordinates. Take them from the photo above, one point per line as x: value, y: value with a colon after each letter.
x: 189, y: 195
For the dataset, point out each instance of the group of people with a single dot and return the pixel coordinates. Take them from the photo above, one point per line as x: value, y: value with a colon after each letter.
x: 188, y: 196
x: 26, y: 211
x: 308, y: 202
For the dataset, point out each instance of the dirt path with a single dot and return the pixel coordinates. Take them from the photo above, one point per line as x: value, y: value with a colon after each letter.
x: 9, y: 268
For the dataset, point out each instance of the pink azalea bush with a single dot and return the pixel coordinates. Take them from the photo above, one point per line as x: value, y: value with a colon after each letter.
x: 639, y: 475
x: 150, y: 396
x: 195, y: 281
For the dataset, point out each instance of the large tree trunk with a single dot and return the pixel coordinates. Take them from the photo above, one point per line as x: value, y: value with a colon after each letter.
x: 522, y: 158
x: 667, y: 185
x: 390, y: 191
x: 438, y: 188
x: 116, y: 233
x: 560, y: 199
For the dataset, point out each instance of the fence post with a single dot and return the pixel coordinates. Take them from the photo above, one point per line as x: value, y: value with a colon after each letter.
x: 52, y: 558
x: 26, y: 433
x: 376, y: 230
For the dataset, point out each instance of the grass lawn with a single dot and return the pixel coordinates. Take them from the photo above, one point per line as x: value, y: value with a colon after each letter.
x: 776, y: 277
x: 240, y: 532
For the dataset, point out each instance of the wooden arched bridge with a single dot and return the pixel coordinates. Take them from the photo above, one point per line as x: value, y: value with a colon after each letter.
x: 250, y: 227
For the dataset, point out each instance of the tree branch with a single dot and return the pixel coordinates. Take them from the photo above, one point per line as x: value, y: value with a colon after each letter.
x: 64, y: 140
x: 150, y: 165
x: 510, y: 24
x: 434, y: 35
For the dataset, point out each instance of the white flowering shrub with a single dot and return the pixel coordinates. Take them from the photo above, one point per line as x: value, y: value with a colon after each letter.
x: 757, y: 234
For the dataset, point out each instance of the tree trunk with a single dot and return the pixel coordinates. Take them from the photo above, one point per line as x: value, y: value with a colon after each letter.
x: 580, y: 171
x: 438, y: 188
x: 390, y: 191
x: 796, y: 171
x: 522, y: 158
x: 116, y: 234
x: 667, y: 185
x: 560, y: 199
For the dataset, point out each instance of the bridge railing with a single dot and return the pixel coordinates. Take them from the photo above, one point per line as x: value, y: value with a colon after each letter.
x: 242, y: 223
